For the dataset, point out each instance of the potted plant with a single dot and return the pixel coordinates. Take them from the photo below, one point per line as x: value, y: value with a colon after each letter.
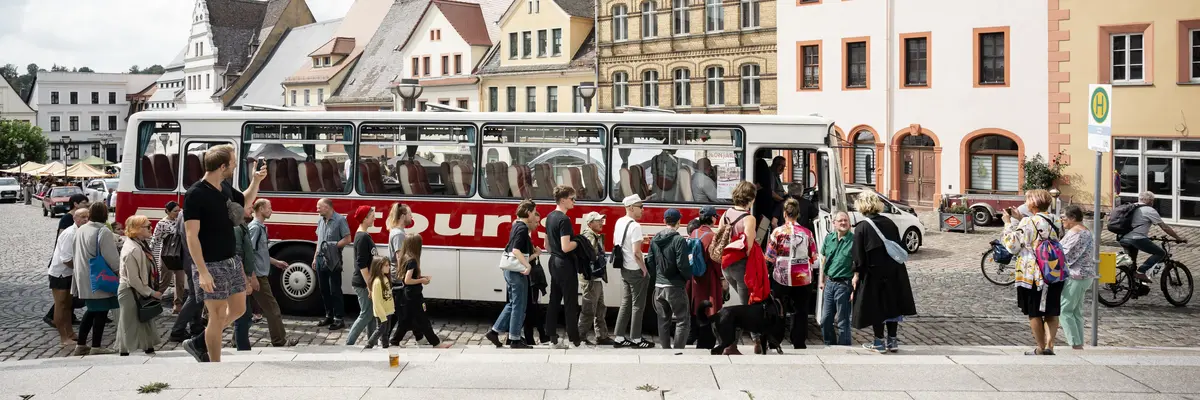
x: 955, y: 216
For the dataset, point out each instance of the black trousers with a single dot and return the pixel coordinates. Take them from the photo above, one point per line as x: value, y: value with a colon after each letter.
x: 93, y: 322
x: 535, y: 319
x: 797, y: 298
x: 416, y: 320
x: 564, y: 289
x: 191, y: 311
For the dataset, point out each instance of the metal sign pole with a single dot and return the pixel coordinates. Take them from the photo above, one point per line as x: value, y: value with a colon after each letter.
x: 1096, y: 254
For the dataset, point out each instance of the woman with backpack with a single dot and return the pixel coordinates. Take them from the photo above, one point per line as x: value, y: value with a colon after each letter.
x: 736, y: 224
x: 790, y: 251
x: 170, y: 272
x: 882, y: 293
x: 1034, y: 241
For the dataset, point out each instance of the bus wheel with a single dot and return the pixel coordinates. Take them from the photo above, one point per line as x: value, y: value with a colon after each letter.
x: 295, y: 286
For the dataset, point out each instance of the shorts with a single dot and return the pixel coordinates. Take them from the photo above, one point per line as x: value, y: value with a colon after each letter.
x: 63, y: 283
x: 228, y: 279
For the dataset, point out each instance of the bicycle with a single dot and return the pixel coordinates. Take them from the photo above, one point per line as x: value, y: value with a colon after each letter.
x: 1175, y: 282
x: 996, y: 269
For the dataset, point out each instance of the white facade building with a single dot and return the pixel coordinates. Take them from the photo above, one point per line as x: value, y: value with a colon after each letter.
x: 170, y: 86
x: 11, y: 105
x: 89, y: 109
x: 443, y: 49
x: 931, y: 96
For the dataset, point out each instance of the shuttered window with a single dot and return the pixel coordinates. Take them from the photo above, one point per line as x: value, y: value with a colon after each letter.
x: 995, y: 165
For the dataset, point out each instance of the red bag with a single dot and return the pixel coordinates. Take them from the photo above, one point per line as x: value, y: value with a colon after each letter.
x: 758, y: 281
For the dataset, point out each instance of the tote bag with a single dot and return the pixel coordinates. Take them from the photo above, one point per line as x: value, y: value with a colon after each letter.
x: 102, y: 276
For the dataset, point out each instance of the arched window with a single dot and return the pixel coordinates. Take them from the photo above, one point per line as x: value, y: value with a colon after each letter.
x: 620, y: 22
x: 751, y: 87
x: 680, y: 21
x: 649, y: 20
x: 620, y: 89
x: 683, y: 87
x: 714, y: 86
x: 917, y: 141
x: 650, y: 88
x: 995, y: 165
x: 864, y: 158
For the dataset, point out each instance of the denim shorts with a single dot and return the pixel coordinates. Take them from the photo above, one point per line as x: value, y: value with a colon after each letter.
x: 228, y: 279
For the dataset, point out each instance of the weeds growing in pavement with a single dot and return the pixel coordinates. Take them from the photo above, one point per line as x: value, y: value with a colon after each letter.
x: 155, y: 387
x: 647, y: 388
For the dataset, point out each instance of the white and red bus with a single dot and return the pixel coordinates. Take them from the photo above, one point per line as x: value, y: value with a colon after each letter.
x: 462, y: 175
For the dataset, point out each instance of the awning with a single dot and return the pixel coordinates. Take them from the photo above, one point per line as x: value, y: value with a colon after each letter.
x: 54, y: 168
x: 94, y: 161
x: 81, y: 170
x: 27, y: 167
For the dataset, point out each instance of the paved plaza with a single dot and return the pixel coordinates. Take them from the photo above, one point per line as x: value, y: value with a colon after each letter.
x: 476, y: 372
x: 957, y: 306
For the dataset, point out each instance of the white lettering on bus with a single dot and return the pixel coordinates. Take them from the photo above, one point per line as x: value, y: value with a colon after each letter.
x: 466, y: 226
x: 491, y: 224
x: 419, y: 224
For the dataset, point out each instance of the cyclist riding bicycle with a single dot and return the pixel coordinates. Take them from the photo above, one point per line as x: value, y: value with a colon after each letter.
x: 1139, y: 238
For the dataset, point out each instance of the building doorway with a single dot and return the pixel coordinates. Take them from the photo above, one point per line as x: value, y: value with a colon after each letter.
x: 918, y: 170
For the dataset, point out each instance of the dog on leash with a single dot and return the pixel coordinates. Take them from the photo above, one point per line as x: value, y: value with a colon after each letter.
x: 767, y: 319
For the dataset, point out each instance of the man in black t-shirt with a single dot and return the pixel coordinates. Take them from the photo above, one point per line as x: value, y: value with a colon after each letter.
x: 564, y: 284
x: 77, y: 201
x: 210, y: 209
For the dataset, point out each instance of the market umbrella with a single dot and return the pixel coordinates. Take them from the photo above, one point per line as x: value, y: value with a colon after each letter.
x: 28, y: 166
x: 81, y: 170
x: 54, y: 168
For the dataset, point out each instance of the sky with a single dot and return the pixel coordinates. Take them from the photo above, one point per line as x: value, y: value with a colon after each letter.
x: 106, y: 35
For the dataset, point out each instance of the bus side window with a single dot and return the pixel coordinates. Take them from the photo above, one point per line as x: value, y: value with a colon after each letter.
x: 301, y: 157
x: 158, y: 160
x: 531, y: 160
x: 193, y: 161
x: 677, y: 165
x: 416, y: 160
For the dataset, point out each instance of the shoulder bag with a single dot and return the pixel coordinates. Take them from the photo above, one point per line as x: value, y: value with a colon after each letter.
x: 509, y: 262
x: 894, y: 250
x: 147, y: 307
x: 618, y: 250
x: 103, y: 278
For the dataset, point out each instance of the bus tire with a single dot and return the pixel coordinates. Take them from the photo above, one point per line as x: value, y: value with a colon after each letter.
x: 295, y: 286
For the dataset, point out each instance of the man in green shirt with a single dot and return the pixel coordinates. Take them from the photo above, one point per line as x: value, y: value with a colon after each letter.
x: 838, y: 270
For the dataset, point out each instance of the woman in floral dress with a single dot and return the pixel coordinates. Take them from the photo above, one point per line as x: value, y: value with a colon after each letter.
x: 1036, y: 299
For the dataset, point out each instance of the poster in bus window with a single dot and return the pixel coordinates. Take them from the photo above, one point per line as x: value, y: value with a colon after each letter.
x: 727, y: 178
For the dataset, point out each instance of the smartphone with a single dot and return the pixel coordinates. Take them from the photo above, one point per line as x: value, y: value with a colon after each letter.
x: 262, y: 163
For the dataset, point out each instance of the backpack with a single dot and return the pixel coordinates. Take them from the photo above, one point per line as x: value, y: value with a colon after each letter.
x: 618, y: 252
x: 716, y: 250
x: 171, y: 252
x: 1050, y: 257
x: 1120, y: 220
x: 696, y: 258
x: 665, y: 169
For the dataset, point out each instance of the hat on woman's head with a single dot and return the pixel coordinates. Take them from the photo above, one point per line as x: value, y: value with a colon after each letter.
x: 360, y: 214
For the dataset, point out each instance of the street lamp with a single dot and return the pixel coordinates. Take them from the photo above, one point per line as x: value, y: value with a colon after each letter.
x: 25, y: 189
x: 587, y: 90
x: 408, y: 90
x: 65, y: 140
x: 1057, y: 206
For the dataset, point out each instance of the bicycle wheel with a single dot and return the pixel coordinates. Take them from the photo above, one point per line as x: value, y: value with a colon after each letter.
x: 1176, y: 283
x: 1116, y: 294
x: 996, y: 273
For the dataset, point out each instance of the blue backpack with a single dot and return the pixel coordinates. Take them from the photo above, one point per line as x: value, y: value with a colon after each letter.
x: 696, y: 255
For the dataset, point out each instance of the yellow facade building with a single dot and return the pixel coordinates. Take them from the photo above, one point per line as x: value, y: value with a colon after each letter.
x: 1151, y: 56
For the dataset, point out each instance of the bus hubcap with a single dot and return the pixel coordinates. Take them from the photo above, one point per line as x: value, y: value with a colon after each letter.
x: 299, y: 281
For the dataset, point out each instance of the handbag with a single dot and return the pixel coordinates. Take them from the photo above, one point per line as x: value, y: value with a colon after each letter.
x: 332, y: 255
x: 618, y: 250
x: 170, y: 253
x: 509, y: 262
x: 147, y: 307
x: 894, y: 250
x: 103, y: 278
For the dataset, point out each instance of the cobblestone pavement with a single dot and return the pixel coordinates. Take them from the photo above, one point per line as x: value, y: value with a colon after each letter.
x: 956, y: 305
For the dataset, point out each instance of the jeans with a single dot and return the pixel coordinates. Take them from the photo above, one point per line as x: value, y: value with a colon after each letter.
x: 564, y: 293
x: 330, y: 283
x: 633, y: 304
x: 1071, y: 316
x: 241, y: 328
x: 1132, y: 246
x: 191, y: 310
x: 671, y: 303
x: 366, y: 316
x: 836, y: 303
x: 513, y: 315
x: 592, y: 314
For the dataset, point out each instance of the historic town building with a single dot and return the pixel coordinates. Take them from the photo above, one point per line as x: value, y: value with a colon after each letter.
x: 697, y: 56
x: 88, y: 109
x: 12, y: 107
x: 1151, y: 57
x: 263, y: 90
x: 940, y: 97
x: 331, y: 62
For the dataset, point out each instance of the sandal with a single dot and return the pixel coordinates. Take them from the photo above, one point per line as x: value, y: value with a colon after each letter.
x: 1048, y: 352
x: 1035, y: 352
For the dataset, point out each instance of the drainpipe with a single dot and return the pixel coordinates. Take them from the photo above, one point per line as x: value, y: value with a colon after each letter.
x: 596, y: 45
x: 889, y: 165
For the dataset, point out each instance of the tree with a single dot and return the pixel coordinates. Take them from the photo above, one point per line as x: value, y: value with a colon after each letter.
x: 58, y: 68
x: 134, y: 70
x: 9, y: 73
x: 85, y: 69
x: 154, y: 70
x: 32, y: 144
x: 32, y: 69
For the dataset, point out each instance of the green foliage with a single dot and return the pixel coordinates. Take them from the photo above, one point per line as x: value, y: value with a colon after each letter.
x: 648, y: 388
x: 1041, y: 175
x: 156, y: 387
x: 20, y: 142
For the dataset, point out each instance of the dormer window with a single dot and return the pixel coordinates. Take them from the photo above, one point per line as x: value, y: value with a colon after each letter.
x: 326, y: 61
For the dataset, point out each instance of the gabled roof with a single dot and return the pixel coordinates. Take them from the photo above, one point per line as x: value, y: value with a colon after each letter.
x: 578, y: 8
x: 284, y: 59
x: 339, y: 45
x: 275, y: 9
x: 234, y: 24
x: 584, y: 58
x: 467, y: 19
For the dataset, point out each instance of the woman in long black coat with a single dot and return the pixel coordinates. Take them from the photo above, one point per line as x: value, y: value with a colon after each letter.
x: 882, y: 293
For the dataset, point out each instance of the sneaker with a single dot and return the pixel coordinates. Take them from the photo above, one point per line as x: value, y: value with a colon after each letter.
x: 622, y: 343
x: 1048, y: 352
x: 893, y: 345
x: 875, y: 346
x: 645, y: 344
x: 494, y: 337
x: 605, y: 342
x: 1141, y: 276
x: 731, y: 351
x: 189, y: 346
x: 562, y: 345
x: 81, y: 350
x: 337, y: 325
x: 99, y: 351
x: 325, y: 322
x: 177, y: 338
x: 519, y: 344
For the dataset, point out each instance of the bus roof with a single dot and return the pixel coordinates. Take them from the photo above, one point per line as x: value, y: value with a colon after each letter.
x: 613, y: 118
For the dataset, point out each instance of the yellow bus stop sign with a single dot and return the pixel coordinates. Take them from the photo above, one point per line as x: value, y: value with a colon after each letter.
x: 1108, y: 267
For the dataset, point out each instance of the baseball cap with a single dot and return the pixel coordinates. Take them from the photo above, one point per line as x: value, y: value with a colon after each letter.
x: 592, y: 217
x: 708, y: 211
x: 672, y: 216
x: 631, y: 200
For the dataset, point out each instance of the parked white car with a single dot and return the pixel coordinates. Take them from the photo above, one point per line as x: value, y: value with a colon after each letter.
x: 912, y: 231
x: 104, y: 190
x: 10, y: 189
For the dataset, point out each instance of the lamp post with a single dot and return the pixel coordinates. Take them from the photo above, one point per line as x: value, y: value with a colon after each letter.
x: 408, y: 90
x: 1057, y: 206
x: 587, y: 90
x: 65, y: 140
x: 25, y: 189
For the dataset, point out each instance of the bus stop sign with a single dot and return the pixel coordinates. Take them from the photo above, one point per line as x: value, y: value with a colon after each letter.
x: 1099, y: 117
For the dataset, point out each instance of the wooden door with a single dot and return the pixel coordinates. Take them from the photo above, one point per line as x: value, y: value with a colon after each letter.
x: 917, y: 176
